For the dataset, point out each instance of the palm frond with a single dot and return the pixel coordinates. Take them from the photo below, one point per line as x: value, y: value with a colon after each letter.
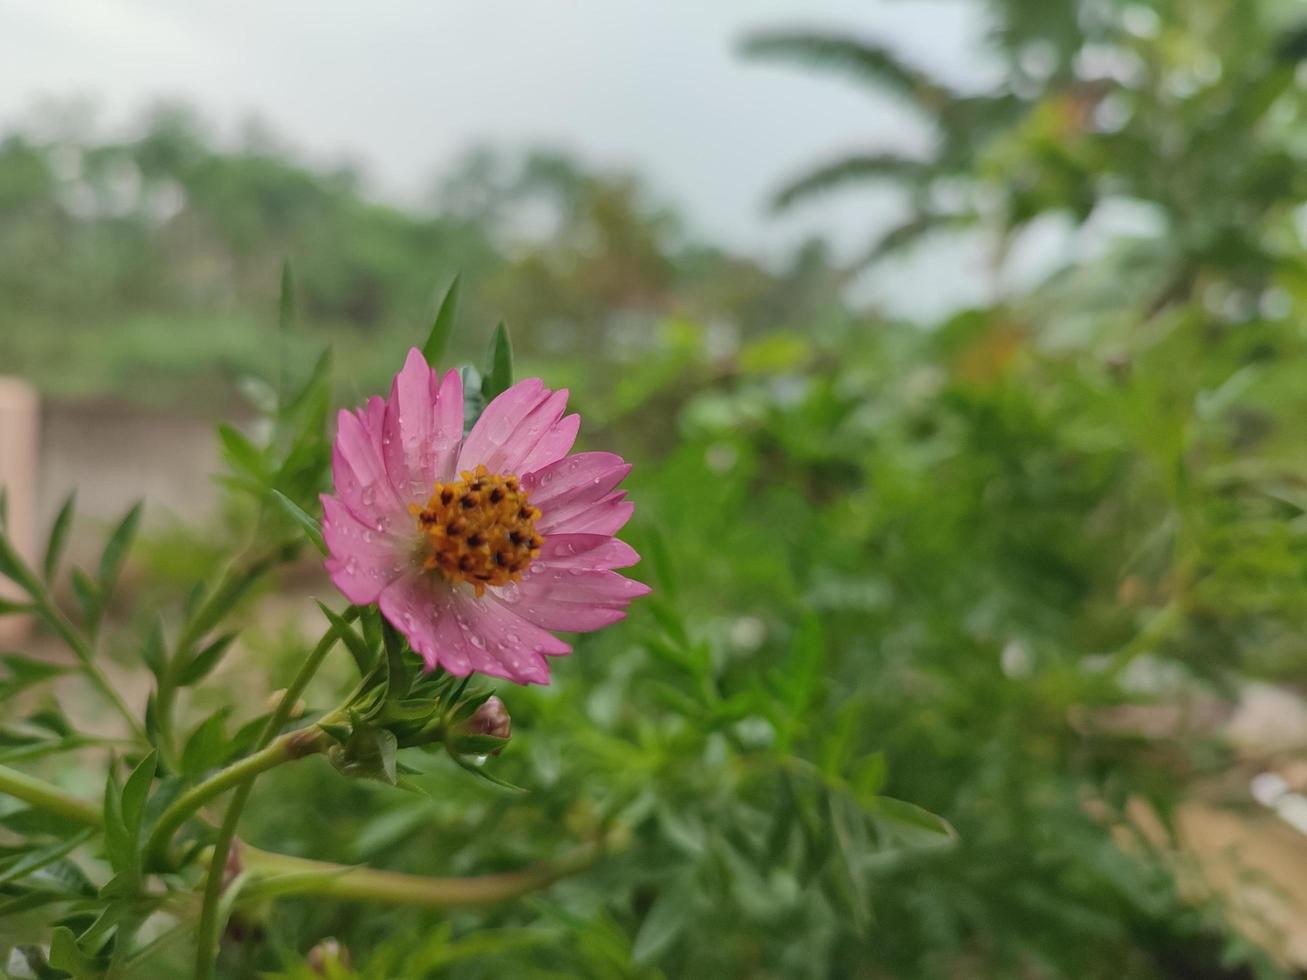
x: 864, y: 60
x: 909, y: 233
x: 848, y: 170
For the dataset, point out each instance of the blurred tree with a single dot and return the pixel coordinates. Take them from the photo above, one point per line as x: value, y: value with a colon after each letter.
x: 1190, y: 111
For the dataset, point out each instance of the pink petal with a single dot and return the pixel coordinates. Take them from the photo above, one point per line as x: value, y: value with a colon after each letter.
x: 588, y: 551
x: 537, y: 427
x: 556, y: 443
x: 513, y: 648
x: 461, y: 633
x: 362, y: 560
x: 372, y: 416
x: 358, y: 472
x: 499, y: 421
x: 579, y: 473
x: 573, y: 599
x: 449, y: 423
x: 422, y: 427
x: 575, y: 494
x: 606, y: 516
x: 421, y: 609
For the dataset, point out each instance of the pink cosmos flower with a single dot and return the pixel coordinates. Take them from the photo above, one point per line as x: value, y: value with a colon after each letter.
x: 476, y: 548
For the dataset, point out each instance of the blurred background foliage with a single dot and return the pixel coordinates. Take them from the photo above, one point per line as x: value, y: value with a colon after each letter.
x: 1015, y: 567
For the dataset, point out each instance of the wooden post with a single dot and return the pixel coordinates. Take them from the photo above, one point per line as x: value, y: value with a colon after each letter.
x: 19, y: 409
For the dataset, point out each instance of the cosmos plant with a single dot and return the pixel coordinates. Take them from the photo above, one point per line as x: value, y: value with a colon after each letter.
x: 464, y: 533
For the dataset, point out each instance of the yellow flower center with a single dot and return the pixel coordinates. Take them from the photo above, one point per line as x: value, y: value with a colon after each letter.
x: 480, y: 529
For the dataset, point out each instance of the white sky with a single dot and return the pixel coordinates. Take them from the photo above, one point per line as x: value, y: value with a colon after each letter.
x: 402, y: 87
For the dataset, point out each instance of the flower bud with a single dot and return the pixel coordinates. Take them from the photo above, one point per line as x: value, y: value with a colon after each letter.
x: 490, y: 721
x: 328, y: 959
x: 491, y: 718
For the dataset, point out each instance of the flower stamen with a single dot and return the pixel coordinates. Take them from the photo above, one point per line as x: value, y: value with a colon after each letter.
x: 479, y: 529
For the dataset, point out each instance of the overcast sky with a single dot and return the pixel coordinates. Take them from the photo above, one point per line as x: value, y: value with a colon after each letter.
x: 402, y: 87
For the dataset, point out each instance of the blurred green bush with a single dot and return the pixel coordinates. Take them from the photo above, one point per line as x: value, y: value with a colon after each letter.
x: 924, y: 563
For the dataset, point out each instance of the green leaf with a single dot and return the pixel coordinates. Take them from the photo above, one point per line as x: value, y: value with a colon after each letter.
x: 32, y: 960
x: 478, y: 744
x: 849, y: 877
x: 438, y: 340
x: 13, y: 567
x: 314, y: 395
x: 86, y: 592
x: 229, y: 593
x: 398, y: 674
x: 666, y: 920
x: 481, y: 773
x: 363, y: 657
x: 135, y: 793
x: 34, y: 822
x: 65, y: 954
x: 242, y: 455
x: 911, y: 824
x: 870, y: 779
x: 204, y: 661
x: 119, y: 845
x: 115, y: 551
x: 52, y: 720
x: 285, y: 321
x: 23, y: 672
x: 499, y: 364
x: 152, y: 717
x: 154, y: 649
x: 37, y: 858
x: 193, y: 599
x: 9, y: 607
x: 369, y: 752
x: 207, y: 745
x: 54, y: 549
x: 799, y: 679
x: 301, y: 517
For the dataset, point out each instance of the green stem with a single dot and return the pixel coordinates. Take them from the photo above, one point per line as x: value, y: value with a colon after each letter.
x: 291, y: 746
x: 47, y: 797
x: 398, y: 888
x: 62, y: 625
x: 206, y: 942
